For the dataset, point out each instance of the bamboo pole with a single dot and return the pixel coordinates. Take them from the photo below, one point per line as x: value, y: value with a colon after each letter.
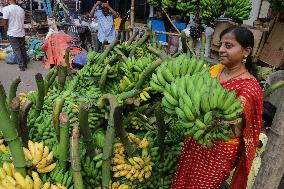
x: 203, y: 41
x: 170, y: 21
x: 8, y: 128
x: 75, y: 159
x: 132, y: 16
x: 64, y: 143
x: 40, y: 94
x: 23, y: 121
x: 85, y: 129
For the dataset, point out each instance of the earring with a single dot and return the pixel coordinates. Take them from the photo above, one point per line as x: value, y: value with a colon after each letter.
x: 245, y: 59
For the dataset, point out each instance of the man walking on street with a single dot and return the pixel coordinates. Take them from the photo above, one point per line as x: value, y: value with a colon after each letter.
x: 14, y: 17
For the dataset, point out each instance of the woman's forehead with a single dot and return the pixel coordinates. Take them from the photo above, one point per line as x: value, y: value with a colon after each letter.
x: 228, y: 37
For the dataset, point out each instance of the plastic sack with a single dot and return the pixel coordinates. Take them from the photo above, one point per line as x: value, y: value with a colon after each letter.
x: 11, y: 58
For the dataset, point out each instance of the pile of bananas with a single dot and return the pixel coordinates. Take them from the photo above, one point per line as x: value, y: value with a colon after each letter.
x: 9, y: 178
x: 238, y: 9
x: 59, y: 175
x: 134, y: 168
x: 174, y: 68
x: 167, y: 4
x: 205, y: 108
x: 210, y: 10
x: 187, y: 6
x: 154, y: 3
x: 40, y: 157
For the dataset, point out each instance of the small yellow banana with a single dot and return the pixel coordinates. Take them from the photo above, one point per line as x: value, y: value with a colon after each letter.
x: 4, y: 149
x: 38, y: 152
x: 29, y: 182
x: 20, y: 179
x: 28, y: 154
x: 7, y: 169
x: 47, y: 169
x: 37, y: 180
x: 42, y: 163
x: 2, y: 173
x: 46, y: 185
x: 142, y: 96
x: 31, y: 147
x: 45, y: 151
x: 146, y: 94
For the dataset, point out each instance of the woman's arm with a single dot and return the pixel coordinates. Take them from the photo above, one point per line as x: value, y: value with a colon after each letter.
x: 113, y: 12
x: 94, y: 8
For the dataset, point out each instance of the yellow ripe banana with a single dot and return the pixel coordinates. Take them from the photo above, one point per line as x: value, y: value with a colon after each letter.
x: 141, y: 174
x: 132, y: 171
x: 147, y: 89
x: 139, y: 161
x: 60, y: 186
x: 42, y: 163
x: 123, y: 186
x: 2, y: 173
x: 4, y: 149
x: 146, y: 94
x: 2, y: 141
x: 142, y: 96
x: 20, y: 179
x: 49, y: 158
x: 53, y: 186
x: 11, y: 180
x: 47, y: 169
x: 123, y: 173
x: 7, y: 184
x: 45, y: 151
x: 38, y: 153
x: 37, y: 180
x: 136, y: 174
x: 31, y: 146
x: 136, y: 165
x: 28, y: 154
x: 29, y: 182
x: 127, y: 80
x: 147, y: 174
x: 46, y: 185
x: 7, y: 169
x: 129, y: 175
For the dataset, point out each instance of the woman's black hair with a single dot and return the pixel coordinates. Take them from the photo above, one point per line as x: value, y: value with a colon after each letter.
x: 246, y: 39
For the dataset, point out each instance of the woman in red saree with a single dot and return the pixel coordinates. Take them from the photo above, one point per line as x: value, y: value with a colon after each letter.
x: 206, y: 168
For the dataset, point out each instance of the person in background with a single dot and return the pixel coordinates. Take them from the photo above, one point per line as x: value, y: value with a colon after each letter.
x: 202, y: 167
x: 14, y: 17
x: 105, y: 16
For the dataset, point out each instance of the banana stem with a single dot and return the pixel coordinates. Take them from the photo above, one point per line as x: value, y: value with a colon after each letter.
x: 15, y: 108
x: 115, y: 59
x: 75, y: 159
x: 138, y: 44
x: 67, y: 62
x: 13, y: 90
x: 272, y: 88
x: 109, y: 138
x: 131, y: 39
x: 47, y: 79
x: 104, y: 76
x: 161, y: 54
x: 52, y: 79
x: 121, y: 132
x: 64, y: 143
x: 9, y: 130
x: 57, y: 108
x: 23, y: 121
x: 40, y: 94
x: 120, y: 53
x: 85, y: 129
x: 161, y: 131
x: 62, y: 73
x: 203, y: 41
x: 107, y: 50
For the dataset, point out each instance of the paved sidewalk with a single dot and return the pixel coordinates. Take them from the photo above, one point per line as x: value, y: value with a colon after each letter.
x: 9, y: 72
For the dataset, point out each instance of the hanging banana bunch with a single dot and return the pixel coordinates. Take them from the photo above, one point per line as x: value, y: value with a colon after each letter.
x: 210, y: 10
x: 238, y: 9
x: 186, y: 6
x: 167, y: 4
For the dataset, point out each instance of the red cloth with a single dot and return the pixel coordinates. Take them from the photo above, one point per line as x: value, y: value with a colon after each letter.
x: 205, y: 168
x: 55, y: 47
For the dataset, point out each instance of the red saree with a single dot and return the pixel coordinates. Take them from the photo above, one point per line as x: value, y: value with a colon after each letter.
x: 204, y: 168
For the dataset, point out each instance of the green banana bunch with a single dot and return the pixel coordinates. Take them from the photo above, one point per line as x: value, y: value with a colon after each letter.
x: 174, y: 68
x: 210, y: 10
x: 186, y: 6
x: 201, y: 104
x: 59, y: 175
x: 167, y: 4
x: 238, y: 9
x: 93, y: 56
x: 154, y: 3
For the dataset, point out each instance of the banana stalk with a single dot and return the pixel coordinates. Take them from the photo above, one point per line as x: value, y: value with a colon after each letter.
x: 106, y: 51
x: 8, y: 128
x: 121, y: 132
x: 52, y: 79
x: 272, y: 88
x: 57, y: 108
x: 62, y: 73
x: 104, y: 76
x: 15, y: 108
x: 64, y: 143
x: 85, y: 129
x: 23, y: 127
x: 161, y: 131
x: 161, y: 54
x: 47, y: 79
x: 13, y: 89
x: 75, y: 159
x: 131, y: 39
x: 120, y: 53
x: 138, y: 44
x: 109, y: 138
x: 114, y: 59
x: 40, y: 94
x: 203, y: 41
x: 67, y: 62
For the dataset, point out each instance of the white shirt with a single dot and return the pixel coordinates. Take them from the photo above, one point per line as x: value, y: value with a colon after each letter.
x: 16, y: 17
